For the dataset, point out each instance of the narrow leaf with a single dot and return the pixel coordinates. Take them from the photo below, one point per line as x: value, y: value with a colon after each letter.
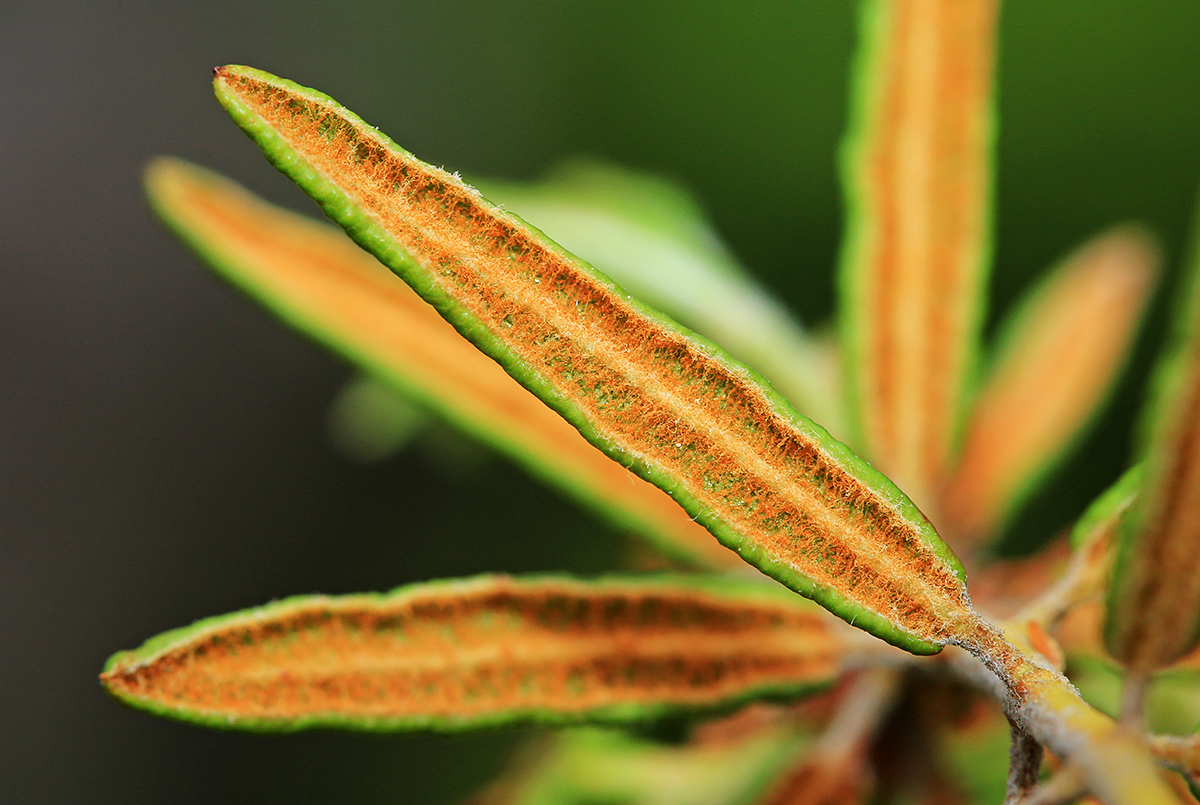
x: 1154, y: 600
x: 651, y: 238
x: 1092, y: 542
x: 1181, y: 754
x: 1058, y: 357
x: 593, y: 766
x: 974, y: 749
x: 1104, y: 515
x: 489, y: 650
x: 767, y: 482
x: 917, y: 171
x: 315, y: 279
x: 1171, y: 704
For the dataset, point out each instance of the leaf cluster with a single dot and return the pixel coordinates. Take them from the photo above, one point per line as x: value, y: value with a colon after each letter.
x: 869, y: 472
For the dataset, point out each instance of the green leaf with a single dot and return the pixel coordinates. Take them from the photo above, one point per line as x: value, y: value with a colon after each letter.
x: 974, y: 753
x: 596, y: 766
x: 651, y: 238
x: 1092, y: 542
x: 767, y: 482
x: 1103, y: 516
x: 483, y: 651
x: 1172, y: 699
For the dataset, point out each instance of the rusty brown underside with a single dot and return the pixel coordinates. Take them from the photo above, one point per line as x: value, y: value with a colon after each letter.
x: 651, y: 392
x: 490, y: 648
x: 926, y: 162
x: 1160, y: 604
x: 347, y: 293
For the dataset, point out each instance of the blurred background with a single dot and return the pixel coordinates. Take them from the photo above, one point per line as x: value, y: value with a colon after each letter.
x: 163, y: 447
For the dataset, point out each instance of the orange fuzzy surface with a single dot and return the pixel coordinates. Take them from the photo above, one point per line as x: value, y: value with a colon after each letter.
x: 328, y: 283
x: 923, y: 184
x: 486, y: 648
x: 1051, y: 377
x: 658, y: 398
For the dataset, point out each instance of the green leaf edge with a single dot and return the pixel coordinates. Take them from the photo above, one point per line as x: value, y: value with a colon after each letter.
x: 1108, y: 504
x: 740, y: 589
x: 371, y: 237
x: 552, y: 784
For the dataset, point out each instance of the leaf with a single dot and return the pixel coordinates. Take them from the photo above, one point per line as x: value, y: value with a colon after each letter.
x: 1181, y: 754
x: 651, y: 238
x: 1059, y: 355
x: 488, y: 650
x: 1154, y: 598
x: 1172, y: 704
x: 1104, y: 515
x: 316, y: 280
x: 593, y: 766
x: 974, y: 752
x: 917, y: 172
x: 766, y: 481
x: 1092, y: 541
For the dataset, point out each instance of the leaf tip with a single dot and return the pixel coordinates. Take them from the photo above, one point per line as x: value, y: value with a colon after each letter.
x: 220, y: 73
x: 116, y: 679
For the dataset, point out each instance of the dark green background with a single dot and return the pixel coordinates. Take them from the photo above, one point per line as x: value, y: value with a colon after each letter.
x: 162, y: 449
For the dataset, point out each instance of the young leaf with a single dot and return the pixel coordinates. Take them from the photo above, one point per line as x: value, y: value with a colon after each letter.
x: 1092, y: 540
x: 1182, y: 754
x: 1059, y: 355
x: 313, y: 278
x: 488, y: 650
x: 766, y: 481
x: 1171, y: 704
x: 1154, y: 599
x: 917, y: 171
x: 652, y: 239
x: 592, y: 766
x: 974, y: 749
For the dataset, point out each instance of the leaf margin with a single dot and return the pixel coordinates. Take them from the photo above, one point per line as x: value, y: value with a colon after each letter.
x: 748, y: 591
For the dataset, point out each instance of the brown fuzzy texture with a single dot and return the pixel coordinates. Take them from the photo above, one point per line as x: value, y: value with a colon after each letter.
x: 924, y: 181
x: 656, y: 396
x: 1158, y: 585
x: 357, y: 303
x: 491, y: 647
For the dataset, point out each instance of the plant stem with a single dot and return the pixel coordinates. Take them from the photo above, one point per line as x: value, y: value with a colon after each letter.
x: 1114, y: 763
x: 1133, y: 697
x: 1025, y: 763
